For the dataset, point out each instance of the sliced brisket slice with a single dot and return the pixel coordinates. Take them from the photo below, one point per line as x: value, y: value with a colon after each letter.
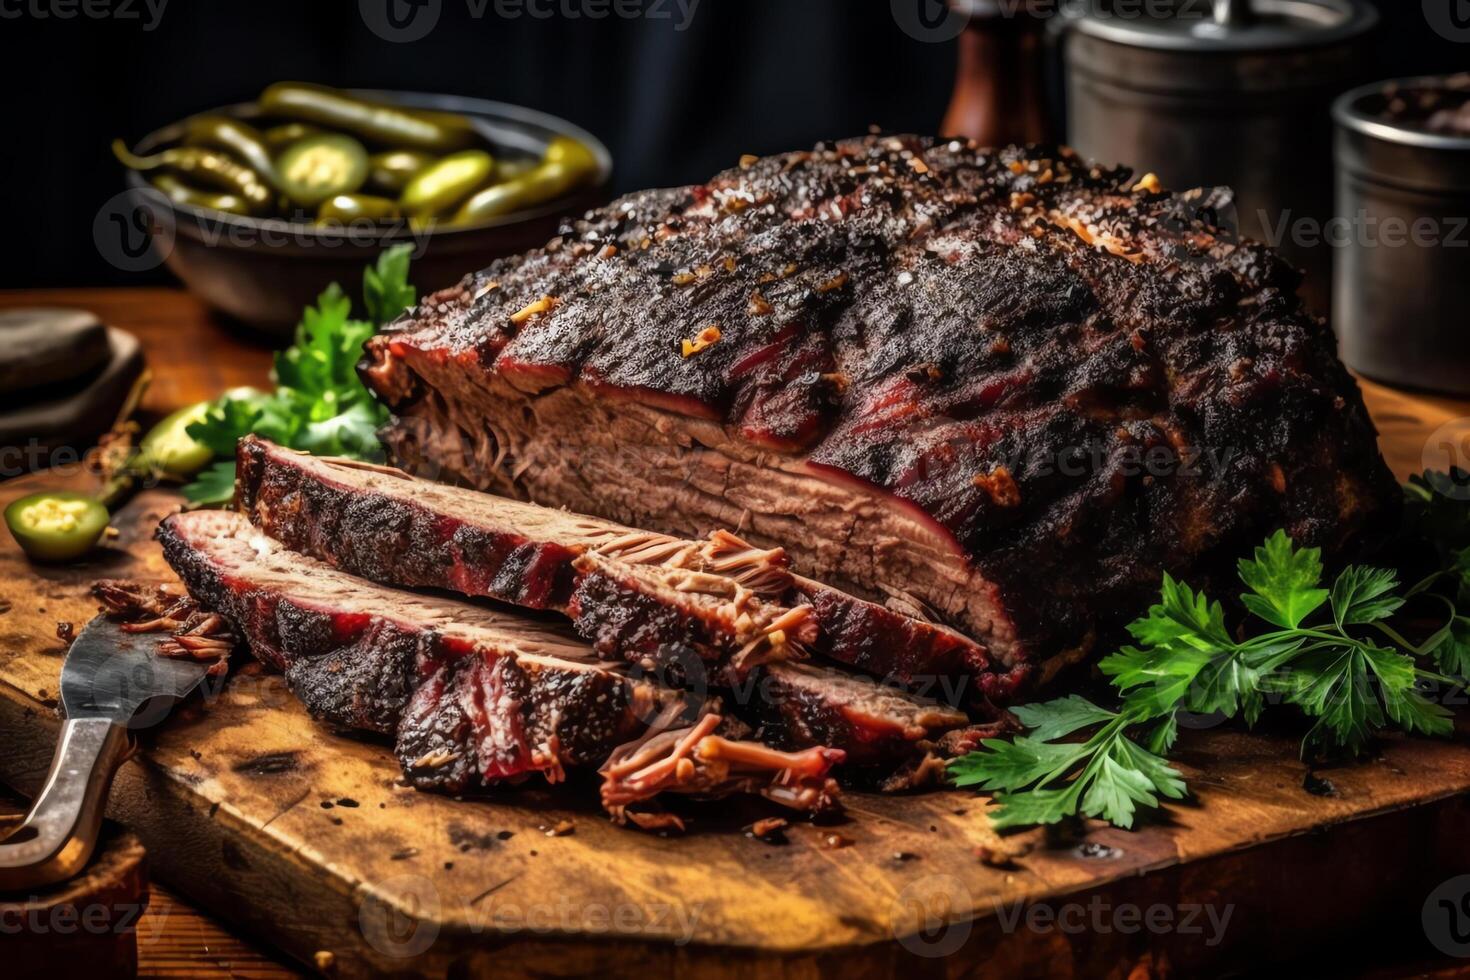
x: 800, y: 705
x: 1013, y: 384
x: 652, y: 614
x: 472, y: 694
x: 385, y: 525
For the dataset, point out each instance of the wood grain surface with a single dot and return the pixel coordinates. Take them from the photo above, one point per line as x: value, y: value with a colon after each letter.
x: 304, y: 837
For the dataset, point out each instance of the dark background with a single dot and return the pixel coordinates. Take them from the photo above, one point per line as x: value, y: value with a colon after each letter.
x: 746, y: 76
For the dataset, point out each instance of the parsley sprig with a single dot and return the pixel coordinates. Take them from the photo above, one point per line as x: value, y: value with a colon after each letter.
x: 1331, y: 652
x: 318, y: 404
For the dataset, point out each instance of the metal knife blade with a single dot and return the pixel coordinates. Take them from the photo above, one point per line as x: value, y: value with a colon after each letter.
x: 110, y: 673
x: 111, y: 681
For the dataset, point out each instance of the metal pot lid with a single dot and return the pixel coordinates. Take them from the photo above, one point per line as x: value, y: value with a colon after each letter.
x: 1361, y: 111
x: 1224, y: 26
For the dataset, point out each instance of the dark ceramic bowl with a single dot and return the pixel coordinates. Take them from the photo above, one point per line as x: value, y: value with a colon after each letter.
x: 263, y: 271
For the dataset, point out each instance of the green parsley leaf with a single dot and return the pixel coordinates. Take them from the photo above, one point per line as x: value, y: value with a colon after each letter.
x: 1164, y: 778
x: 1437, y: 519
x: 1040, y: 780
x: 1016, y: 764
x: 1192, y: 662
x: 212, y: 486
x: 385, y: 288
x: 1364, y: 595
x: 319, y: 403
x: 1283, y: 580
x: 1182, y: 615
x: 1452, y: 653
x: 1228, y: 685
x: 1062, y: 717
x: 1035, y: 807
x: 1186, y: 659
x: 1352, y: 688
x: 1034, y: 758
x: 1158, y: 679
x: 1163, y: 736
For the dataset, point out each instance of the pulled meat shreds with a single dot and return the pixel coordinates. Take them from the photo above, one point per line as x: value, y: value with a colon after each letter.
x: 763, y: 571
x: 194, y: 633
x: 698, y: 762
x: 787, y: 638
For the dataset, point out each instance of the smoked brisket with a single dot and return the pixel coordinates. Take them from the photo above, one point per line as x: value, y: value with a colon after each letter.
x: 474, y: 695
x: 1006, y: 389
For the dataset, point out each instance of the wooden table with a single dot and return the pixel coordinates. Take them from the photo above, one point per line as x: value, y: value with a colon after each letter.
x: 193, y: 358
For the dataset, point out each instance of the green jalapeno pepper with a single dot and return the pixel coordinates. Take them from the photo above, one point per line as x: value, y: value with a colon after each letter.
x: 279, y: 137
x: 390, y: 172
x: 356, y: 207
x: 439, y: 187
x: 566, y: 164
x: 168, y: 449
x: 57, y: 526
x: 203, y: 165
x: 374, y: 121
x: 515, y: 167
x: 181, y: 193
x: 321, y: 166
x: 233, y: 136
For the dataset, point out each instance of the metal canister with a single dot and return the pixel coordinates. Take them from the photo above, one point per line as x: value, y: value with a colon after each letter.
x: 1234, y: 93
x: 1401, y: 303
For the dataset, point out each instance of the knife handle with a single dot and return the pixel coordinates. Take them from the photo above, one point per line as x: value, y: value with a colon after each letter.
x: 57, y: 837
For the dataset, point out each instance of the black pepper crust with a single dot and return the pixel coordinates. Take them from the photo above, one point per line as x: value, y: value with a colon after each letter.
x: 1084, y: 381
x: 395, y: 541
x: 462, y: 716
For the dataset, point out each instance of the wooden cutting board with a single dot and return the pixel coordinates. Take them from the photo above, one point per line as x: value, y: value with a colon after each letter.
x: 303, y: 837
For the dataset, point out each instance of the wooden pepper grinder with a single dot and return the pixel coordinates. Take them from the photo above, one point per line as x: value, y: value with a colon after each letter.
x: 999, y: 88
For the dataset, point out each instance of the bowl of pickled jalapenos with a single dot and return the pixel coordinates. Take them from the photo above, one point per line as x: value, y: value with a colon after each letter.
x: 258, y: 206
